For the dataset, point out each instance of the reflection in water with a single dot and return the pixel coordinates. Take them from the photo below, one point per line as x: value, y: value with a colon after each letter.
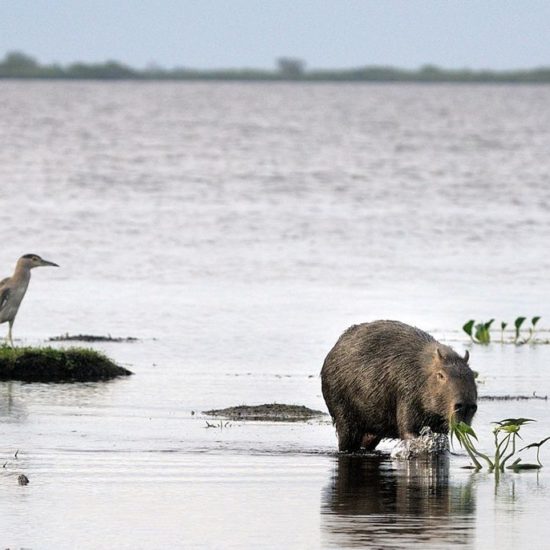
x: 375, y: 502
x: 11, y: 408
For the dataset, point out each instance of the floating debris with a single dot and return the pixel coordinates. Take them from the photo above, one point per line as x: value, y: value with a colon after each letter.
x: 23, y: 480
x: 219, y: 425
x: 427, y: 443
x: 267, y: 412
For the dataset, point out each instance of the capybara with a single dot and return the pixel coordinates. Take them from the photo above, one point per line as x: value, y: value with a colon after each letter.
x: 388, y: 379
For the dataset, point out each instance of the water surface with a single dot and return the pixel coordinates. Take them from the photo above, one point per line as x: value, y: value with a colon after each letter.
x: 237, y: 230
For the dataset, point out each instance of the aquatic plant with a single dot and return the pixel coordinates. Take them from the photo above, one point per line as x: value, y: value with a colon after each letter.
x: 517, y: 323
x: 537, y: 445
x: 532, y: 328
x: 503, y: 326
x: 464, y: 434
x: 506, y: 433
x: 480, y: 333
x: 483, y: 334
x: 468, y: 328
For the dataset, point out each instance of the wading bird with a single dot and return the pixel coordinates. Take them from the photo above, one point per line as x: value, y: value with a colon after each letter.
x: 12, y: 289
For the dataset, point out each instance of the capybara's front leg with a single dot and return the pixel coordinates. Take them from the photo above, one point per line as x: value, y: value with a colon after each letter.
x: 405, y: 425
x: 349, y: 438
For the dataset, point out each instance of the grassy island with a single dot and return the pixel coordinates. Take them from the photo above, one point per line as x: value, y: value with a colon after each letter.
x: 29, y: 364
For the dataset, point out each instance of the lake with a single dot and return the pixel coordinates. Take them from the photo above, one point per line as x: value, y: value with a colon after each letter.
x: 237, y: 230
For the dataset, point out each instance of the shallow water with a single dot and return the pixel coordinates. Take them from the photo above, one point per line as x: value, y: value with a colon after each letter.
x: 237, y: 230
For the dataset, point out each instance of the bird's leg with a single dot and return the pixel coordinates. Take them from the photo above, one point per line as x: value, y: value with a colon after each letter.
x: 9, y: 334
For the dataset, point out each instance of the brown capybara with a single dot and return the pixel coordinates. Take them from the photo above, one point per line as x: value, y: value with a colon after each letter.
x: 388, y: 379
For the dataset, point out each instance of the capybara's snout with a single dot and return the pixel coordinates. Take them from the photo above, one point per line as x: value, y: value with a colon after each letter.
x: 464, y: 411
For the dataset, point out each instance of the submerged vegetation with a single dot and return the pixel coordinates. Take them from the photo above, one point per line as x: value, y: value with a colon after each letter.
x: 506, y: 434
x: 20, y: 65
x: 57, y: 365
x: 480, y: 332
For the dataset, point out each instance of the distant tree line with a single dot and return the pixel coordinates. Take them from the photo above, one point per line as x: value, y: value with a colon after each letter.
x: 20, y: 65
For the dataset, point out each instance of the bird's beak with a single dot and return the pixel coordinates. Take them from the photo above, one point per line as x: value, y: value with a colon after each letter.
x: 46, y: 263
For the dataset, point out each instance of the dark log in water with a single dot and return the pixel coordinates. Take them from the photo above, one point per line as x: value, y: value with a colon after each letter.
x: 57, y: 365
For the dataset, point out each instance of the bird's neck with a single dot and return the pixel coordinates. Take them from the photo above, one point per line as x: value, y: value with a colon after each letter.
x: 22, y: 274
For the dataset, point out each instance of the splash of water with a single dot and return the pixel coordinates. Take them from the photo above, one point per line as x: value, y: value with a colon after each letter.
x: 427, y: 443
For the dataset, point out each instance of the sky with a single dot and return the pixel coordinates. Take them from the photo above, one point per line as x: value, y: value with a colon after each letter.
x: 495, y: 34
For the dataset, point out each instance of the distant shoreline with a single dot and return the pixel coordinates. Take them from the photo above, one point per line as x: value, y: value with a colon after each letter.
x: 16, y: 65
x: 268, y: 82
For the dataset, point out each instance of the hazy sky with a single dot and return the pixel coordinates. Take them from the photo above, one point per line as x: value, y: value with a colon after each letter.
x: 325, y: 33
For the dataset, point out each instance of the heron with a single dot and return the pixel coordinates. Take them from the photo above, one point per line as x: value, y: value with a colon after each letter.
x: 12, y: 289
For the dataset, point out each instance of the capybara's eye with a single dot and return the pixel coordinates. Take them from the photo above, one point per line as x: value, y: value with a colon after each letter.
x: 458, y: 406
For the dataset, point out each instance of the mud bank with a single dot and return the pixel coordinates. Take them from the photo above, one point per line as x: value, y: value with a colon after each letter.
x: 511, y: 397
x: 269, y: 412
x: 90, y: 338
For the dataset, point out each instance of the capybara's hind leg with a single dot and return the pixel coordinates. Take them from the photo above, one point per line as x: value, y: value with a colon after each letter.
x: 370, y: 441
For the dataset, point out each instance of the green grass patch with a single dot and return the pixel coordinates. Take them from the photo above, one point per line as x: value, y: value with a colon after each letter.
x: 47, y: 364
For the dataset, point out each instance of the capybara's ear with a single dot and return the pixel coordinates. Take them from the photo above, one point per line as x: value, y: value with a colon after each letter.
x: 438, y: 356
x: 466, y: 356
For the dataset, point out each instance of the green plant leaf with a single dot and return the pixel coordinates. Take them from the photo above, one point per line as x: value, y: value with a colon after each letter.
x: 524, y: 467
x: 538, y: 444
x: 503, y: 325
x: 512, y: 422
x: 464, y: 428
x: 535, y: 320
x: 488, y: 324
x: 518, y: 322
x: 482, y: 334
x: 508, y: 428
x: 467, y: 328
x: 479, y: 329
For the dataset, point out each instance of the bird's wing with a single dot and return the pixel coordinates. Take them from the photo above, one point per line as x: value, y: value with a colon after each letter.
x: 4, y: 294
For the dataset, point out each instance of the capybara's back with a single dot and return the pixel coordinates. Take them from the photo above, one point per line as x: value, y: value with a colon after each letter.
x: 386, y: 379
